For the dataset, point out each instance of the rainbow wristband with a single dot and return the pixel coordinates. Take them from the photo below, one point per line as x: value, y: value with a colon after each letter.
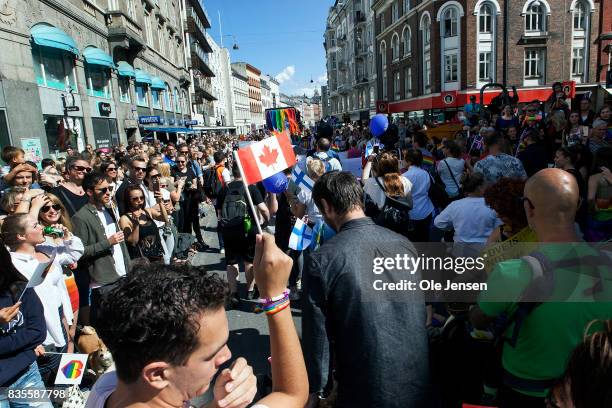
x: 273, y: 305
x: 275, y: 298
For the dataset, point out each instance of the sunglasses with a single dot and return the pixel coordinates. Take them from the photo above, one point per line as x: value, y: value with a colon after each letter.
x: 82, y: 168
x: 181, y: 161
x: 139, y: 198
x: 155, y: 176
x: 47, y: 208
x: 111, y: 169
x: 103, y: 190
x: 137, y: 169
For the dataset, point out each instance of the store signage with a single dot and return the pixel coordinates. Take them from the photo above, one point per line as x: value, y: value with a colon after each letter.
x: 104, y: 108
x: 449, y: 99
x: 171, y: 121
x: 191, y: 122
x: 147, y: 120
x: 72, y: 109
x: 130, y: 124
x: 382, y: 107
x: 181, y: 122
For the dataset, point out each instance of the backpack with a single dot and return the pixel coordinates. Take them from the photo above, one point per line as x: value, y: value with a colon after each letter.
x: 395, y: 214
x: 234, y: 208
x: 212, y: 183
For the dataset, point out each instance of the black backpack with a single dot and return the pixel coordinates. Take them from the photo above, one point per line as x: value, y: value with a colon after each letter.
x: 395, y: 214
x: 212, y: 184
x: 234, y: 208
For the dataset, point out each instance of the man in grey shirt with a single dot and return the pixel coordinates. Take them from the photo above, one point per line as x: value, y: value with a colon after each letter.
x: 377, y: 339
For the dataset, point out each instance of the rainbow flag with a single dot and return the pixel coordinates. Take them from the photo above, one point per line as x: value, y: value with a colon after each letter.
x: 428, y: 160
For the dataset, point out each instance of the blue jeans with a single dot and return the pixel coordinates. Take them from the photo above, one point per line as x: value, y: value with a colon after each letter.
x: 30, y: 379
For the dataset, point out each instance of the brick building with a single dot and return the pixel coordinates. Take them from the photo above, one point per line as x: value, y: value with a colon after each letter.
x: 432, y: 55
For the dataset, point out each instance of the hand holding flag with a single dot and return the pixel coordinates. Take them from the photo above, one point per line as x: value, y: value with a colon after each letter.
x: 265, y: 158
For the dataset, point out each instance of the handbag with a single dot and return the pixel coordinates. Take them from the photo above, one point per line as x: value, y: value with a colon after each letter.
x: 460, y: 194
x: 437, y: 192
x: 395, y: 214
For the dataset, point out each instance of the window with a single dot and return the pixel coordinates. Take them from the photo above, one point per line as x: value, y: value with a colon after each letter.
x: 406, y: 6
x: 394, y: 12
x: 131, y: 8
x: 485, y: 19
x: 58, y: 139
x: 384, y: 85
x: 578, y: 61
x: 53, y: 68
x: 407, y: 39
x: 124, y: 90
x: 450, y: 68
x: 426, y: 30
x: 383, y: 54
x: 396, y: 86
x: 177, y: 101
x: 382, y: 23
x: 484, y: 66
x: 98, y: 81
x: 534, y: 63
x: 156, y: 98
x: 160, y: 39
x: 141, y: 95
x: 580, y: 16
x: 147, y: 27
x: 534, y: 18
x: 449, y: 21
x: 408, y: 82
x: 112, y: 5
x: 395, y: 47
x: 427, y: 73
x: 168, y: 99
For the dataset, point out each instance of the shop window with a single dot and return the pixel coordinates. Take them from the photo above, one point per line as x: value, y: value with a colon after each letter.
x: 62, y: 133
x: 53, y: 68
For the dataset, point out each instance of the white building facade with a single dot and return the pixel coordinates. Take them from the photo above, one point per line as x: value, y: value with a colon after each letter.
x: 240, y: 101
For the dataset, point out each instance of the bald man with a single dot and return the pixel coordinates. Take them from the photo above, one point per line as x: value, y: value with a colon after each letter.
x: 550, y: 330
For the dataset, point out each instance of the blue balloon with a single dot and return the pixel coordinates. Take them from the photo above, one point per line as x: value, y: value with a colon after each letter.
x: 276, y: 183
x: 379, y: 124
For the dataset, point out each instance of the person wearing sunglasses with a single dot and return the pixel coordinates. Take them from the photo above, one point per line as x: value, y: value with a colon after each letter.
x: 136, y: 176
x: 25, y: 238
x: 70, y: 192
x: 111, y: 171
x: 138, y: 225
x: 54, y: 214
x: 106, y: 258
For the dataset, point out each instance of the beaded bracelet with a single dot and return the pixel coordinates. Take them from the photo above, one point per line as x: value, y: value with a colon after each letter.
x: 273, y: 305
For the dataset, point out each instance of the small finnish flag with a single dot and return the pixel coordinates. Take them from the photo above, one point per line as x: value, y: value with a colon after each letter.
x: 301, y: 178
x: 301, y: 236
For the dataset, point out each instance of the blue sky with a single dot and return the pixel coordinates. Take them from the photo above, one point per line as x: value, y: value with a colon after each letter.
x: 283, y: 38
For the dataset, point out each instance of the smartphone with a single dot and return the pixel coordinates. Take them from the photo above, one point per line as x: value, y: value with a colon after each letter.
x: 376, y: 149
x: 156, y: 184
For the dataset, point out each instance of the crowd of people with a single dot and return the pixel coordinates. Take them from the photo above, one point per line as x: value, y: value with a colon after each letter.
x: 116, y: 230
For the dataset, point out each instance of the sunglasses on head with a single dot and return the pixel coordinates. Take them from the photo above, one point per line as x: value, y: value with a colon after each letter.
x: 47, y: 208
x: 82, y: 168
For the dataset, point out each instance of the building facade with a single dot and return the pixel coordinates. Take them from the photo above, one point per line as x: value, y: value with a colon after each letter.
x: 220, y: 66
x: 266, y: 94
x: 431, y: 56
x: 79, y: 72
x: 240, y: 100
x: 274, y: 91
x: 351, y: 70
x: 255, y: 105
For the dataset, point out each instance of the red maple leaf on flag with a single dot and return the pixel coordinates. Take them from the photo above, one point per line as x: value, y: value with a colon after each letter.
x: 268, y: 156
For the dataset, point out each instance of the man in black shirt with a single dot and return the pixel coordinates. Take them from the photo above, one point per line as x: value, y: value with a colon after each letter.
x: 239, y: 234
x: 138, y: 170
x: 535, y: 156
x: 71, y: 192
x: 188, y: 217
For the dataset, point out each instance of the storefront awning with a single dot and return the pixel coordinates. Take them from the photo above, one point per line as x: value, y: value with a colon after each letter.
x: 143, y: 77
x: 48, y: 36
x: 96, y: 56
x: 126, y: 70
x: 157, y: 83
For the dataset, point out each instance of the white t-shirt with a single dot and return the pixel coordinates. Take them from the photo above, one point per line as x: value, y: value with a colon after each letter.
x: 373, y: 190
x: 471, y: 218
x: 457, y: 166
x: 305, y: 197
x: 111, y: 228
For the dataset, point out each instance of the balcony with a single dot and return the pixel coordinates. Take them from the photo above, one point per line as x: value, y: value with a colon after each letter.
x: 201, y: 12
x: 197, y: 29
x: 199, y: 60
x: 203, y: 89
x: 124, y: 32
x: 343, y: 89
x: 342, y: 39
x: 342, y: 66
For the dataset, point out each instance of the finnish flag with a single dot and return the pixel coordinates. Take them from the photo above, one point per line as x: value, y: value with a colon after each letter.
x: 301, y: 236
x: 301, y: 178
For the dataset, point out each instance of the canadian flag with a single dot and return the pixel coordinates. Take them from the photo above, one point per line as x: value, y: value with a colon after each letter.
x: 263, y: 159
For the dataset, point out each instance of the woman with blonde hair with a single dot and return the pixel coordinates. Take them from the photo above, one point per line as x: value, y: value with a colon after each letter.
x: 53, y: 213
x: 164, y: 169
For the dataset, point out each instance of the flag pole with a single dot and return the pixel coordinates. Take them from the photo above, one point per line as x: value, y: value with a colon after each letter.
x: 248, y: 193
